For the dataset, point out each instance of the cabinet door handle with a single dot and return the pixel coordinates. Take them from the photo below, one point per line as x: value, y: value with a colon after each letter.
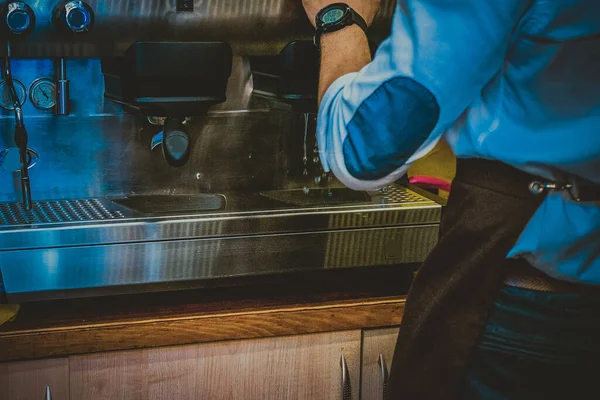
x: 384, y: 376
x: 346, y: 388
x: 48, y: 394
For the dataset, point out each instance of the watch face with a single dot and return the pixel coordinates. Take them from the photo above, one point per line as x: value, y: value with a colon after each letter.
x: 332, y: 16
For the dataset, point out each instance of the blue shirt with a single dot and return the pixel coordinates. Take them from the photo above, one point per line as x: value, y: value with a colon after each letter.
x: 510, y: 80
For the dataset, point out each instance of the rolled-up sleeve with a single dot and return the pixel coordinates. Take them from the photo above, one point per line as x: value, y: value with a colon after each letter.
x: 374, y: 123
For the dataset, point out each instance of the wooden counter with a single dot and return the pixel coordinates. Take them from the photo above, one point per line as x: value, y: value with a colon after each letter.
x: 327, y: 301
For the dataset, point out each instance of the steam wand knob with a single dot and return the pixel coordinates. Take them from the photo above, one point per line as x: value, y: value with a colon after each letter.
x: 74, y: 16
x: 19, y: 18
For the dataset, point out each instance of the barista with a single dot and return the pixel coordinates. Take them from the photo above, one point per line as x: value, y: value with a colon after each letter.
x: 508, y: 304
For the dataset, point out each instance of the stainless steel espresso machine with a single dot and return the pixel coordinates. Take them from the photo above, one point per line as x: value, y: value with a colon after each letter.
x: 159, y: 144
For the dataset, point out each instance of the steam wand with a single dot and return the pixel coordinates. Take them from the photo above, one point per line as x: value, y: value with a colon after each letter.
x: 20, y: 136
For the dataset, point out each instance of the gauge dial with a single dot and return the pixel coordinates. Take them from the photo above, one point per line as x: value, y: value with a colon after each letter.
x: 42, y: 93
x: 10, y: 159
x: 5, y: 101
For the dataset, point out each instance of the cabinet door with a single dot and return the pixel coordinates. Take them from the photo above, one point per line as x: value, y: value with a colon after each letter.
x: 27, y: 380
x: 378, y: 350
x: 295, y: 367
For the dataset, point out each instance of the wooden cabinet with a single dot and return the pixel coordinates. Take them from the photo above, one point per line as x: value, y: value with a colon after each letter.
x: 295, y: 367
x: 377, y: 347
x: 27, y: 380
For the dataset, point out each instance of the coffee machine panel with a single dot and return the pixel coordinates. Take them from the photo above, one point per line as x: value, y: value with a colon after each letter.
x: 151, y: 145
x: 104, y: 28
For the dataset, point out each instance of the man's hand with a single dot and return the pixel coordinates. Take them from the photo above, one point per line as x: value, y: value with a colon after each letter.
x: 366, y: 8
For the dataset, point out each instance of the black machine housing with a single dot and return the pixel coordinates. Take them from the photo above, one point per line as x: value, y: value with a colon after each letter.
x: 169, y: 79
x: 291, y: 77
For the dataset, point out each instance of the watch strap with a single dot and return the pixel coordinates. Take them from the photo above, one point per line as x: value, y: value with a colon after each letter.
x: 359, y: 20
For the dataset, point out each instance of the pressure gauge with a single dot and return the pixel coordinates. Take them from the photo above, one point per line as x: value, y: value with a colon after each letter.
x: 5, y: 99
x: 42, y: 93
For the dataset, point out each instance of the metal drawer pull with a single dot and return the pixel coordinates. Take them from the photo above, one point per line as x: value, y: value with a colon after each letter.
x: 346, y: 389
x: 384, y: 376
x: 48, y: 394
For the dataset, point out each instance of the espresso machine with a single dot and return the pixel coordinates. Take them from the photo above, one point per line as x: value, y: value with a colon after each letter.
x: 151, y: 145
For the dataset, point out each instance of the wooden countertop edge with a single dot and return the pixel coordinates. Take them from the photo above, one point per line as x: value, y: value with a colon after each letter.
x: 188, y: 329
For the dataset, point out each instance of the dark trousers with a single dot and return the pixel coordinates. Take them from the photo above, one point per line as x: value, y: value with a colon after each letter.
x: 537, y: 345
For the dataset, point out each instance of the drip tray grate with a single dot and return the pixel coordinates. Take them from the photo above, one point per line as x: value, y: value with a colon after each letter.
x: 56, y: 212
x: 396, y: 194
x: 391, y: 194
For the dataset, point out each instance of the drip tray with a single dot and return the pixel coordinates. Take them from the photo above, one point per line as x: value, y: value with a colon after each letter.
x: 318, y: 196
x: 173, y: 204
x: 57, y: 212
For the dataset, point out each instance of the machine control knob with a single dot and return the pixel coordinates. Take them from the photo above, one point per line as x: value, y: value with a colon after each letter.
x: 75, y: 16
x: 19, y: 18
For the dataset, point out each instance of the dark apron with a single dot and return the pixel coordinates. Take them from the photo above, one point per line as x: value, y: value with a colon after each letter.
x: 450, y: 298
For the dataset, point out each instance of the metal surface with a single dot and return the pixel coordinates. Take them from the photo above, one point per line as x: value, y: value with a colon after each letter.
x: 251, y: 236
x: 63, y: 98
x: 173, y: 204
x: 318, y: 196
x: 13, y: 214
x: 330, y: 196
x: 251, y: 26
x: 111, y: 156
x: 346, y: 386
x: 125, y: 268
x: 245, y: 214
x: 6, y: 100
x: 384, y: 377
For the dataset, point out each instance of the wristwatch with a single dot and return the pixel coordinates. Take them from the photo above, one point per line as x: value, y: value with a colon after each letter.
x: 335, y: 17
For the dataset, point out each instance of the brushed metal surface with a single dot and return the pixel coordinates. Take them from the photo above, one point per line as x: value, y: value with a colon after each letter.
x: 253, y: 235
x: 87, y: 157
x: 41, y: 273
x: 170, y: 204
x: 250, y: 26
x: 245, y: 214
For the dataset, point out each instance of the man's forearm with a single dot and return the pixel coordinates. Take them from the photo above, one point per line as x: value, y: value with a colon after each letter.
x: 342, y: 52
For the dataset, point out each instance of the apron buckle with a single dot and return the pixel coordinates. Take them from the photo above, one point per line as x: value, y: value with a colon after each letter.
x: 537, y: 187
x: 578, y: 192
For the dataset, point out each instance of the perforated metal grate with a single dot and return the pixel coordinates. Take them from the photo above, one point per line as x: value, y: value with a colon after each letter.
x: 56, y: 211
x: 342, y: 196
x: 396, y: 194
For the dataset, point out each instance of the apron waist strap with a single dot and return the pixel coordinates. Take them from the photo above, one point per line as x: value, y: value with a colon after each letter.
x: 522, y: 275
x: 505, y: 179
x: 496, y: 176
